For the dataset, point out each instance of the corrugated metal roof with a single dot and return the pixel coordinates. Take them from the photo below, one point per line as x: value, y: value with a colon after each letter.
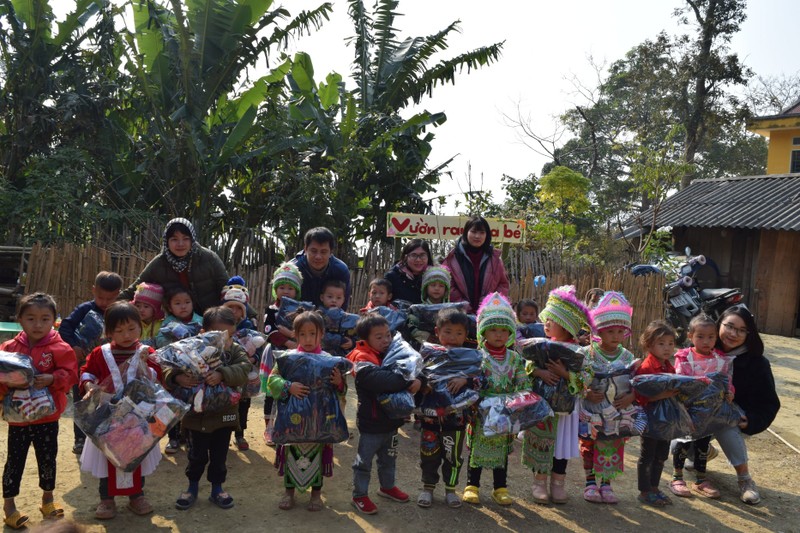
x: 748, y: 202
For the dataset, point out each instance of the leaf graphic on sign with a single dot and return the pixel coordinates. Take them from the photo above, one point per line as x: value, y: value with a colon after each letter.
x: 401, y: 225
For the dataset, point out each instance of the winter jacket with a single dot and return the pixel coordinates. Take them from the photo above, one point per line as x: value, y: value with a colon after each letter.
x: 70, y: 324
x: 207, y: 275
x: 405, y: 286
x: 312, y: 285
x: 492, y: 275
x: 162, y: 339
x: 755, y: 391
x: 96, y: 370
x: 51, y: 355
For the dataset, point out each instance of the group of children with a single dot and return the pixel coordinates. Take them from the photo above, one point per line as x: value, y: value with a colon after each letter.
x: 546, y: 448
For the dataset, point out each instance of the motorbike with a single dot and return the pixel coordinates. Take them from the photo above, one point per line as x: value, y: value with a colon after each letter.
x: 684, y: 298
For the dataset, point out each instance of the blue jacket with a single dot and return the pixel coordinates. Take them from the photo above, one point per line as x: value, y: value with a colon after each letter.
x: 70, y: 324
x: 312, y: 285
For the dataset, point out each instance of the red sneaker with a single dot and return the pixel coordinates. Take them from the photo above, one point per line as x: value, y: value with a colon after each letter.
x: 364, y: 505
x: 393, y: 494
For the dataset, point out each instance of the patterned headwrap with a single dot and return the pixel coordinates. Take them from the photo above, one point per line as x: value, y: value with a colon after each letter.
x: 566, y: 310
x: 613, y: 310
x: 179, y: 264
x: 496, y: 312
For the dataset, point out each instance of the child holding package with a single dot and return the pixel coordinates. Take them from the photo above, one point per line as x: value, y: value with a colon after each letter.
x: 333, y: 296
x: 378, y: 432
x: 435, y: 290
x: 180, y: 309
x: 503, y: 373
x: 148, y: 299
x: 380, y: 295
x: 124, y: 327
x: 210, y: 431
x: 235, y: 298
x: 57, y: 370
x: 528, y: 325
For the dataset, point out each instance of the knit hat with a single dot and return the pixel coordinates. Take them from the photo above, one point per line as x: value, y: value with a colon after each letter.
x: 613, y: 310
x: 434, y: 274
x: 496, y: 312
x: 152, y: 295
x: 287, y: 273
x: 236, y: 296
x: 566, y: 310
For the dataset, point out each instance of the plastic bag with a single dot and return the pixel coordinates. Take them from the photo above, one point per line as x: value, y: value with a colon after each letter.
x: 654, y: 384
x: 603, y: 420
x: 128, y: 414
x: 250, y: 339
x: 288, y: 311
x: 427, y: 313
x: 252, y: 388
x: 339, y: 325
x: 508, y: 414
x: 28, y: 405
x: 667, y: 419
x: 265, y: 366
x: 194, y: 356
x: 90, y: 330
x: 16, y: 370
x: 531, y: 331
x: 396, y: 318
x: 441, y: 402
x: 396, y: 405
x: 446, y: 363
x: 401, y: 359
x: 318, y: 417
x: 539, y: 351
x: 710, y: 411
x: 175, y: 331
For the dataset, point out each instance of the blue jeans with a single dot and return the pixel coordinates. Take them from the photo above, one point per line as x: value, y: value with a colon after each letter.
x: 731, y: 440
x: 382, y: 445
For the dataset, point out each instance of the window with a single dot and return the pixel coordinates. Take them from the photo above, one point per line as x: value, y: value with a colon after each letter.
x: 796, y: 141
x: 795, y: 166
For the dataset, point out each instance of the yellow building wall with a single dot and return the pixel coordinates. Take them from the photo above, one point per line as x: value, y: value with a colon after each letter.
x: 779, y: 156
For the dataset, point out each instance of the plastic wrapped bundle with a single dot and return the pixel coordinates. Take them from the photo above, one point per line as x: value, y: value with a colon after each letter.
x: 404, y: 360
x: 318, y: 417
x: 396, y: 318
x: 539, y: 351
x: 397, y: 405
x: 339, y: 325
x: 175, y: 331
x: 508, y: 414
x: 604, y: 421
x: 249, y: 339
x: 194, y: 356
x: 446, y: 363
x: 28, y: 405
x: 90, y: 330
x: 16, y: 370
x: 710, y: 411
x: 654, y: 384
x: 441, y: 402
x: 288, y: 311
x: 531, y: 331
x: 427, y: 313
x: 667, y: 419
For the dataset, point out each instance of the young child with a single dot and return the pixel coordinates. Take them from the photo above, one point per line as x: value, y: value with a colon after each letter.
x: 528, y: 324
x: 436, y: 285
x: 548, y: 446
x: 503, y: 373
x: 180, y: 307
x: 442, y: 438
x: 602, y: 460
x: 211, y: 431
x: 333, y: 297
x: 702, y: 359
x: 378, y: 432
x: 57, y: 370
x: 148, y: 299
x: 304, y: 465
x: 659, y: 341
x: 380, y: 294
x: 105, y: 291
x: 124, y: 327
x: 235, y: 299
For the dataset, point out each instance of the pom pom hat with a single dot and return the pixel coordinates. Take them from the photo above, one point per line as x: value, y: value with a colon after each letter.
x: 236, y: 296
x: 613, y: 310
x: 496, y: 312
x: 152, y: 295
x: 433, y: 274
x: 287, y: 273
x: 566, y: 310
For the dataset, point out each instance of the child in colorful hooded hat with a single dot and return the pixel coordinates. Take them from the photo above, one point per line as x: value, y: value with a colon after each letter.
x: 502, y: 372
x: 147, y: 299
x: 548, y: 446
x: 603, y: 459
x: 435, y: 290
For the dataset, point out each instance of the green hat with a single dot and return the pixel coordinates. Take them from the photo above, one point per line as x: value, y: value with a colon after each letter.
x: 564, y: 308
x: 287, y: 274
x: 435, y: 274
x: 496, y: 312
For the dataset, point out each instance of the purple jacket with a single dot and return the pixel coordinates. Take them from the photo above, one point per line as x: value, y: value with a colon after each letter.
x: 493, y: 276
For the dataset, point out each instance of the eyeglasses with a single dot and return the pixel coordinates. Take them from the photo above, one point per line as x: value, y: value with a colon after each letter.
x: 418, y: 257
x: 733, y: 329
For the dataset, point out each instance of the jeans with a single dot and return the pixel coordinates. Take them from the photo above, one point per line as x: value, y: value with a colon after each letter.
x: 382, y: 445
x: 731, y: 440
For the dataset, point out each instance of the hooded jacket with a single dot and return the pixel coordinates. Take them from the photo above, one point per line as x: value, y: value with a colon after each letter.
x: 492, y: 275
x: 312, y: 284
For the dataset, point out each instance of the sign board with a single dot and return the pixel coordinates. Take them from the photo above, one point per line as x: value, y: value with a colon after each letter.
x: 450, y: 228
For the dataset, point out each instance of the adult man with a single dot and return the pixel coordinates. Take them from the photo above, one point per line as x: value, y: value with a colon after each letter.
x: 318, y: 265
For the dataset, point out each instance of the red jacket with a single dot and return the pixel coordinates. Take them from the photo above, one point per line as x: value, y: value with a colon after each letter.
x: 96, y: 370
x: 51, y: 355
x: 493, y: 276
x: 364, y: 353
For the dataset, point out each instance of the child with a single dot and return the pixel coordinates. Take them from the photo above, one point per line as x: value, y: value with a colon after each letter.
x: 603, y: 459
x: 304, y: 465
x: 503, y: 373
x: 528, y: 324
x: 124, y: 327
x: 659, y: 341
x: 548, y: 446
x: 378, y: 432
x: 442, y: 438
x: 56, y: 369
x: 702, y: 359
x: 333, y: 297
x: 435, y: 290
x: 235, y: 299
x: 178, y: 303
x: 105, y: 291
x: 380, y: 294
x: 211, y: 431
x: 147, y: 299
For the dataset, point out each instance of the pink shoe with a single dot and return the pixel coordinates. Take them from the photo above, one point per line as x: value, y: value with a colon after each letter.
x: 706, y: 489
x: 592, y: 494
x: 678, y: 488
x: 607, y: 493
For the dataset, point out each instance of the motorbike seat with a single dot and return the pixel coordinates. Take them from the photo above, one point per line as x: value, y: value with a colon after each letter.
x: 711, y: 294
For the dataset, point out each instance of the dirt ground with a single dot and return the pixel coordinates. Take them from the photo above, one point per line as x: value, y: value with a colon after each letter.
x: 254, y: 484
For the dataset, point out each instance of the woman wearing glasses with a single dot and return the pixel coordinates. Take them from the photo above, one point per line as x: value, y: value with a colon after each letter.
x: 406, y: 275
x: 755, y: 392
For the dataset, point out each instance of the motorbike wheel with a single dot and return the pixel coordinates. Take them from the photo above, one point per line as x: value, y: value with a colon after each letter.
x: 681, y: 325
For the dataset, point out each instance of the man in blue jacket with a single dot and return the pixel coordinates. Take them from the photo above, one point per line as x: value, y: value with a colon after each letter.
x: 318, y: 265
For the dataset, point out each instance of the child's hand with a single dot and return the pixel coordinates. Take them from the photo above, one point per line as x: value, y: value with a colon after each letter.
x: 624, y: 401
x: 187, y: 381
x: 456, y: 384
x: 347, y: 344
x: 41, y: 381
x: 298, y: 390
x: 595, y: 396
x: 291, y: 345
x: 213, y: 378
x: 729, y: 397
x: 557, y: 368
x: 414, y: 387
x: 545, y: 375
x: 743, y: 422
x: 336, y: 377
x: 89, y: 386
x: 286, y: 332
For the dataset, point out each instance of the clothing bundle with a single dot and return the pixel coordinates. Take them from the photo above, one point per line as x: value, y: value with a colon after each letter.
x: 539, y: 351
x: 175, y: 331
x: 90, y: 330
x: 16, y: 370
x: 604, y: 421
x: 668, y: 418
x: 710, y: 411
x: 318, y: 417
x: 530, y: 331
x: 339, y: 325
x: 28, y: 405
x: 395, y: 317
x: 288, y: 311
x: 425, y: 314
x: 441, y: 365
x: 253, y: 343
x: 508, y: 414
x: 404, y: 360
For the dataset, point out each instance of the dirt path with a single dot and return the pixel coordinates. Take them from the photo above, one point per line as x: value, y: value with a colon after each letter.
x: 254, y: 484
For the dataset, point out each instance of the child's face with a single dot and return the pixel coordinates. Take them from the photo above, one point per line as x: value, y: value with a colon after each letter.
x: 181, y: 306
x: 308, y: 337
x: 236, y: 309
x: 663, y: 347
x: 36, y: 322
x: 496, y: 337
x: 436, y: 291
x: 555, y: 332
x: 146, y: 310
x: 333, y: 298
x: 528, y: 315
x: 126, y: 333
x: 379, y: 338
x: 611, y: 338
x: 451, y: 335
x: 222, y: 326
x: 703, y: 338
x: 379, y: 295
x: 104, y: 298
x: 284, y: 289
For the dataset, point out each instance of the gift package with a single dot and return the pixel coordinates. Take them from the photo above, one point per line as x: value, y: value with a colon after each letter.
x: 539, y: 351
x: 508, y: 414
x: 603, y: 420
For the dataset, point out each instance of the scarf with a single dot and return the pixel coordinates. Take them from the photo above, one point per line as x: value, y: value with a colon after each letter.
x: 179, y: 264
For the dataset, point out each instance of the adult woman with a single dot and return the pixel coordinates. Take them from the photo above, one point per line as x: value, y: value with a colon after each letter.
x: 475, y: 265
x: 406, y: 275
x: 184, y: 262
x: 754, y: 388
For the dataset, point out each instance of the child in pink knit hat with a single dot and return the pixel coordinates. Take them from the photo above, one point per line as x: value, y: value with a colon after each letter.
x: 147, y: 299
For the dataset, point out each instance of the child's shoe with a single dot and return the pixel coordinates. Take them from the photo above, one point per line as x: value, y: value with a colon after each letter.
x: 592, y: 494
x: 364, y: 505
x: 452, y: 500
x: 501, y: 497
x: 558, y: 493
x: 393, y: 494
x: 105, y: 510
x: 607, y: 494
x: 172, y: 447
x: 472, y: 495
x: 425, y: 499
x: 678, y: 488
x: 705, y: 488
x: 241, y: 444
x: 140, y: 506
x: 539, y: 490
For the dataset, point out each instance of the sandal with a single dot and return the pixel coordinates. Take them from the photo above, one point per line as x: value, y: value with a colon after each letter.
x: 592, y: 494
x: 51, y: 512
x: 666, y: 499
x: 706, y: 489
x: 140, y: 506
x: 16, y: 520
x: 425, y: 499
x: 315, y: 504
x: 678, y: 488
x: 452, y: 500
x: 651, y: 498
x: 105, y: 510
x: 501, y: 497
x: 185, y: 501
x: 223, y: 500
x: 471, y: 495
x: 286, y: 503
